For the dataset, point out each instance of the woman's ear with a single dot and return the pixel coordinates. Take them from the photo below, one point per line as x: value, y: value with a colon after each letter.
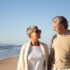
x: 62, y: 27
x: 29, y: 35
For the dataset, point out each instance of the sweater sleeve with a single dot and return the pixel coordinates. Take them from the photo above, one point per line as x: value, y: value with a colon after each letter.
x: 21, y: 64
x: 52, y: 53
x: 51, y: 58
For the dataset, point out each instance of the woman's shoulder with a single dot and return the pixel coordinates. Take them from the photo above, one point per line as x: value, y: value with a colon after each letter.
x: 25, y: 45
x: 45, y: 48
x: 44, y: 45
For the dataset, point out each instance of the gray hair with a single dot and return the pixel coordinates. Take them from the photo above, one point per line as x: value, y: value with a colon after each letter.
x: 30, y: 29
x: 61, y: 20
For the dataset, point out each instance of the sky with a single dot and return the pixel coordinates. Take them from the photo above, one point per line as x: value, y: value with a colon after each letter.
x: 17, y: 15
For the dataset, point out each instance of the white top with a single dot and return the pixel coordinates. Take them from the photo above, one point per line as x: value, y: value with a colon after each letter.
x: 36, y: 58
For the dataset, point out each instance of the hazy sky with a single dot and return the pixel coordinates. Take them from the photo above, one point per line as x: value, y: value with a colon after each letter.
x: 17, y: 15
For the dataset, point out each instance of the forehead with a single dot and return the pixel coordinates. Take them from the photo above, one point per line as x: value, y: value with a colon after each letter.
x: 35, y: 28
x: 55, y: 24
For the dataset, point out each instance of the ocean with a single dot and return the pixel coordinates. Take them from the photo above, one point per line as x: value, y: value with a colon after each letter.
x: 8, y: 51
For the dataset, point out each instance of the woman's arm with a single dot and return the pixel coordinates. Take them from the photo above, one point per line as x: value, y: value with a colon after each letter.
x: 47, y: 54
x: 21, y: 64
x: 46, y: 60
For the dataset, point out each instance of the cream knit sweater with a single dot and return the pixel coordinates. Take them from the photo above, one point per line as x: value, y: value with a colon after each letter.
x: 60, y: 52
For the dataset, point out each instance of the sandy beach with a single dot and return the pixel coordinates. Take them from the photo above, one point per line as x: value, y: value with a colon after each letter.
x: 9, y: 64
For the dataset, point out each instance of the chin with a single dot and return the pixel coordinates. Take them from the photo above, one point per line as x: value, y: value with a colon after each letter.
x: 58, y: 32
x: 38, y: 38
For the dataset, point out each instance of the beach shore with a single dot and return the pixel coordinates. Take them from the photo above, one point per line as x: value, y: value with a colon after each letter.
x: 9, y: 64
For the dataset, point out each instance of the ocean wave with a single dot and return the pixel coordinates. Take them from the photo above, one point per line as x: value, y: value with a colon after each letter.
x: 3, y: 50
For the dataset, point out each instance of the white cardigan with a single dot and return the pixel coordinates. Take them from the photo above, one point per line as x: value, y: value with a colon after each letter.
x: 23, y: 64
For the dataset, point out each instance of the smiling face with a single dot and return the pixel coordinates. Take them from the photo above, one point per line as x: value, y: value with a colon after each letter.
x: 35, y: 35
x: 58, y: 28
x: 60, y: 24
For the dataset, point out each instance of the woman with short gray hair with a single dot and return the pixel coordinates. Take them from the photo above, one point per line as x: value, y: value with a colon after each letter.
x: 34, y: 54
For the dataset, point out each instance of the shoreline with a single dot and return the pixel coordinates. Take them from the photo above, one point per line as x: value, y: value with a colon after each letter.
x: 9, y: 63
x: 5, y: 58
x: 9, y: 58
